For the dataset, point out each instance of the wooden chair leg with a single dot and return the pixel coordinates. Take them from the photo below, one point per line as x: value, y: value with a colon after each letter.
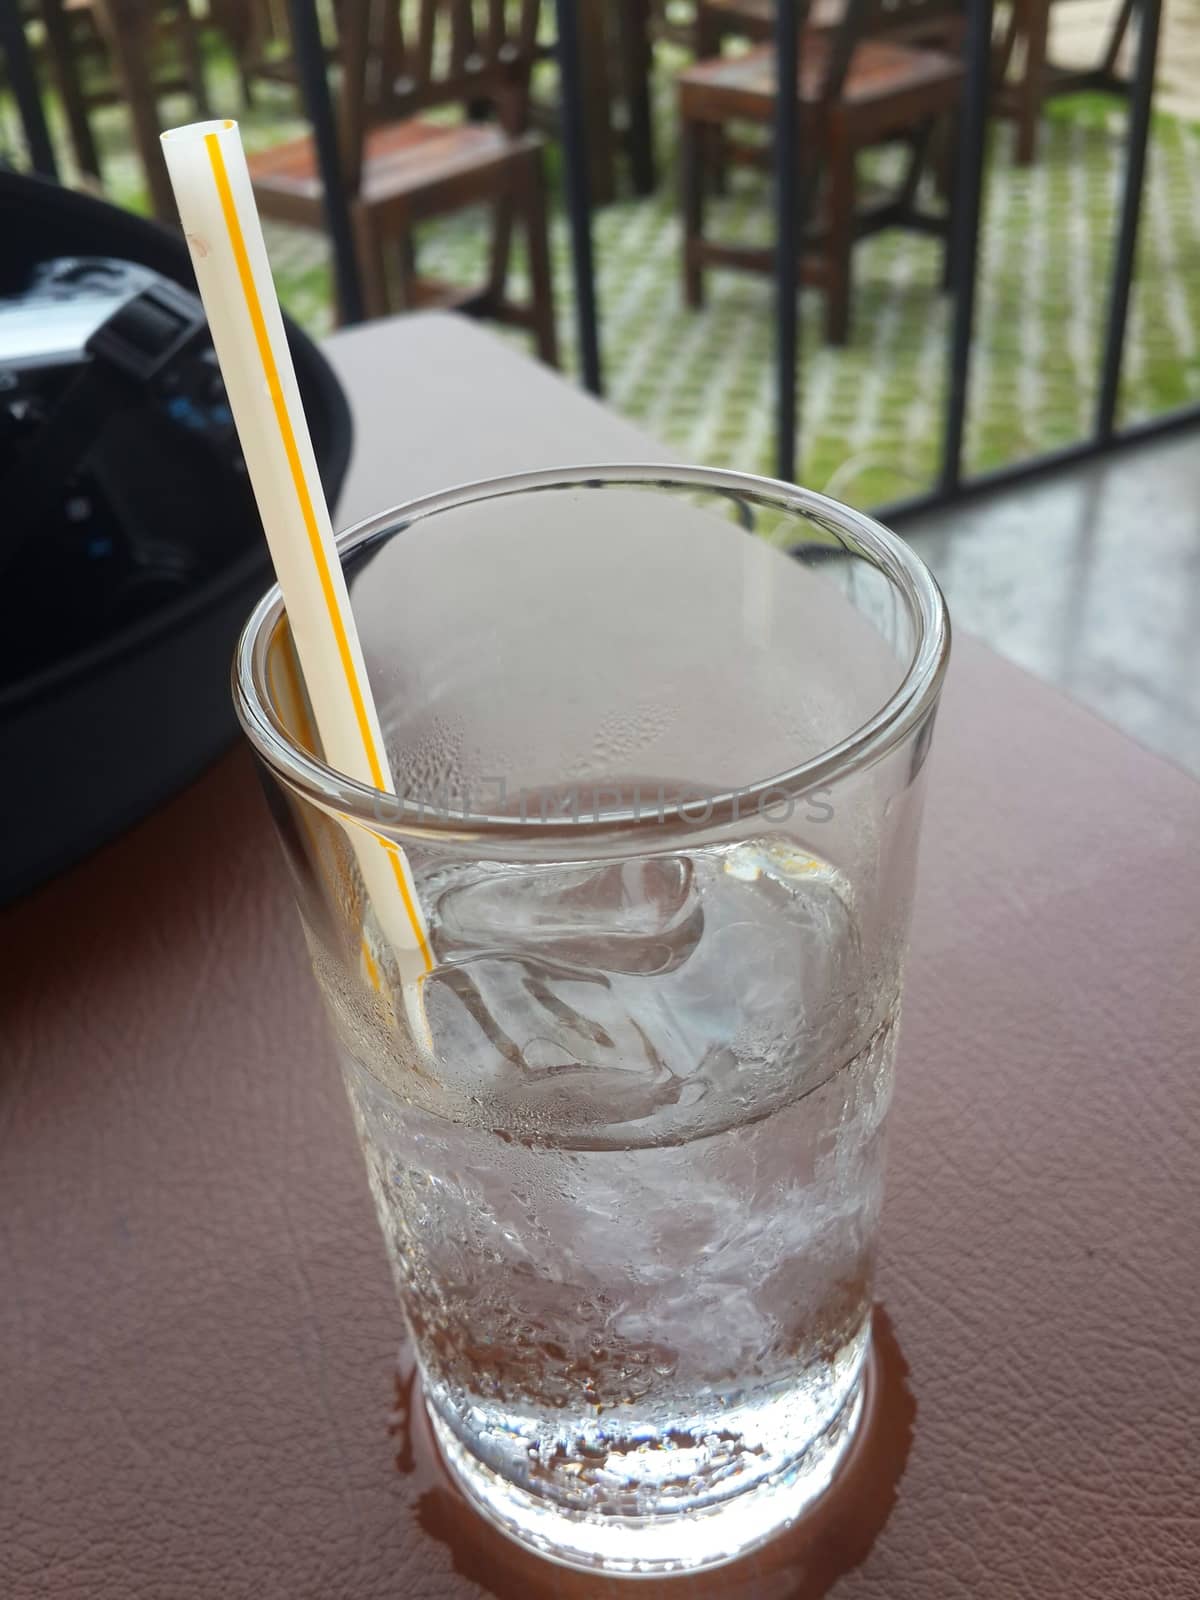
x: 501, y: 246
x: 1108, y: 65
x: 1004, y: 47
x: 918, y: 154
x: 1032, y: 87
x: 637, y: 63
x: 409, y: 269
x: 254, y: 44
x: 717, y: 159
x: 710, y: 41
x: 193, y: 58
x: 692, y: 137
x: 253, y: 30
x: 839, y: 243
x: 594, y: 24
x: 946, y: 138
x: 372, y: 263
x: 129, y: 30
x: 541, y: 279
x: 394, y: 268
x: 66, y: 77
x: 707, y: 32
x: 233, y: 21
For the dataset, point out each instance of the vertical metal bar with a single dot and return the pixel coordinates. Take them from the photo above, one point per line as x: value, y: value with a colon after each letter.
x: 23, y: 79
x: 964, y: 235
x: 1140, y: 100
x: 788, y: 225
x: 314, y: 90
x: 575, y: 165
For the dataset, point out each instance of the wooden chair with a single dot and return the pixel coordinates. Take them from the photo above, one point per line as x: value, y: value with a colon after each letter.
x: 933, y: 24
x: 927, y: 24
x: 401, y: 168
x: 1024, y: 77
x: 855, y: 92
x: 718, y: 20
x: 1022, y: 94
x: 131, y: 52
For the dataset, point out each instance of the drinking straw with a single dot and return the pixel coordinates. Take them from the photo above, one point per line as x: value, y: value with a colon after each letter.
x: 207, y: 167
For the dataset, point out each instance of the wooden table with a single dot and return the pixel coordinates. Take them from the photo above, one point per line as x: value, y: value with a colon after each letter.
x: 197, y: 1326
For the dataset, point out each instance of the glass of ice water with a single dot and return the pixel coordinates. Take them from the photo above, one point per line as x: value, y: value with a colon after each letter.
x: 659, y: 737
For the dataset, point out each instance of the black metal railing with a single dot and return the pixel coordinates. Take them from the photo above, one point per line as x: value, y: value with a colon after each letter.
x: 577, y: 182
x: 1141, y: 99
x: 951, y: 481
x: 964, y: 243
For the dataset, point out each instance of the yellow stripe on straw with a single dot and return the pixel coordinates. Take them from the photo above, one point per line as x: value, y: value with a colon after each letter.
x: 375, y: 764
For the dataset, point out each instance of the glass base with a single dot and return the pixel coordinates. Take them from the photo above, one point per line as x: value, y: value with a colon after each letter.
x: 668, y: 1543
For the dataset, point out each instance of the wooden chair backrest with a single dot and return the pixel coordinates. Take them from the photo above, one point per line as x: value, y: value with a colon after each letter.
x: 861, y: 19
x: 911, y: 17
x: 854, y: 21
x: 401, y: 57
x: 903, y: 17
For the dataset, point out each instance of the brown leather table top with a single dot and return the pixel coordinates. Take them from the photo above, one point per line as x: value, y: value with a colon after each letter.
x: 198, y: 1392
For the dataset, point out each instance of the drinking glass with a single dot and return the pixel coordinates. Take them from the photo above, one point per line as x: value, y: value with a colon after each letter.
x: 659, y: 742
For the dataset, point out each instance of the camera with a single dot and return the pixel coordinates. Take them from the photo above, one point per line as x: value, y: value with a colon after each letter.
x: 120, y: 473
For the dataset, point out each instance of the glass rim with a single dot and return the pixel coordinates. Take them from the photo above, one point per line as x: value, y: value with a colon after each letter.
x: 403, y: 816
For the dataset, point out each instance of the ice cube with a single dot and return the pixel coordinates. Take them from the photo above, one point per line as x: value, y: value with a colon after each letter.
x: 645, y: 1000
x: 640, y: 916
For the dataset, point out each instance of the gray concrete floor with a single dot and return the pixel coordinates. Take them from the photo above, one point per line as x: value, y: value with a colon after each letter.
x: 1091, y: 580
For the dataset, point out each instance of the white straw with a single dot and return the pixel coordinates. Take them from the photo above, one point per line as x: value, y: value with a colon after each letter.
x: 207, y: 166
